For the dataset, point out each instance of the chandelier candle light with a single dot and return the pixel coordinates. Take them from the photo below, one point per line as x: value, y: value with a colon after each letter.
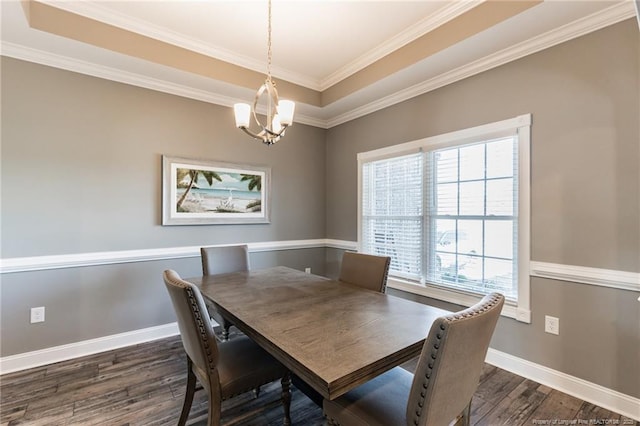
x: 279, y: 113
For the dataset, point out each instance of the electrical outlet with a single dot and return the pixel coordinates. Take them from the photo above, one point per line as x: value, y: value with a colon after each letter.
x: 307, y: 270
x: 551, y: 325
x: 37, y: 314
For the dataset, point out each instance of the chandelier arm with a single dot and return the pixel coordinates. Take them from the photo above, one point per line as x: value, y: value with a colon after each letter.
x: 274, y: 134
x: 272, y: 99
x: 265, y: 136
x: 258, y: 136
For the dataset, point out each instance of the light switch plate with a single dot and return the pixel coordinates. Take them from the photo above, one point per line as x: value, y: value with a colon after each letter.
x: 551, y: 325
x: 37, y: 314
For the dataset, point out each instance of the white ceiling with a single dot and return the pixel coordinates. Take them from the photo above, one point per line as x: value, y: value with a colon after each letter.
x: 315, y: 43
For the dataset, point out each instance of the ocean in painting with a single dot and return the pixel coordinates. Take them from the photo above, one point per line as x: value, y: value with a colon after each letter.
x: 229, y: 196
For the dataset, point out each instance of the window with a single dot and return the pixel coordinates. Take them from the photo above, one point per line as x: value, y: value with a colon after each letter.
x: 452, y: 212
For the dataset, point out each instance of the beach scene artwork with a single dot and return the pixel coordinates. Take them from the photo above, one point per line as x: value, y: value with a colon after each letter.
x: 202, y: 191
x: 216, y: 193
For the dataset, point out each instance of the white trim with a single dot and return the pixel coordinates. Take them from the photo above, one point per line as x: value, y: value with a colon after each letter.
x: 596, y: 394
x: 46, y: 356
x: 580, y: 274
x: 422, y: 27
x: 621, y: 280
x: 40, y: 263
x: 579, y: 388
x: 343, y: 245
x: 520, y: 126
x: 610, y: 16
x: 458, y: 298
x: 29, y: 54
x: 523, y: 311
x: 505, y: 127
x: 103, y: 14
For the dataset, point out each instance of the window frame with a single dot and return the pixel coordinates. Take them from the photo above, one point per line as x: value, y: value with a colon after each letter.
x: 520, y: 126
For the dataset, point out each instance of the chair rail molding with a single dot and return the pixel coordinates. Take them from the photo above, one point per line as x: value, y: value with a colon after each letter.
x: 621, y: 280
x: 76, y: 260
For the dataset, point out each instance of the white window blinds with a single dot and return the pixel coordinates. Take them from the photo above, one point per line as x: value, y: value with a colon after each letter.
x: 452, y: 212
x: 392, y: 213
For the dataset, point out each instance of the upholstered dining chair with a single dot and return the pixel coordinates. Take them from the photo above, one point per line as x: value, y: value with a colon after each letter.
x: 224, y: 370
x: 223, y: 260
x: 365, y: 270
x: 444, y: 382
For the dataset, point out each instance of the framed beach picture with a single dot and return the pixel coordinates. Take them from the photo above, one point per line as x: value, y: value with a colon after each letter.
x: 202, y: 192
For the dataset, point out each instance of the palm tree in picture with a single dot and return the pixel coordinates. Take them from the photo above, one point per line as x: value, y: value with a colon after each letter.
x: 255, y: 182
x: 193, y: 178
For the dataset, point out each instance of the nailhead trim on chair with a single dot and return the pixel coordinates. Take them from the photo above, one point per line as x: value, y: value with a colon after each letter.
x: 471, y: 312
x: 203, y: 335
x: 386, y: 275
x: 200, y: 323
x: 201, y: 326
x: 466, y: 314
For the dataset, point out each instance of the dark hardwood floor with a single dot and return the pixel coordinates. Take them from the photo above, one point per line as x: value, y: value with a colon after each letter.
x: 144, y: 385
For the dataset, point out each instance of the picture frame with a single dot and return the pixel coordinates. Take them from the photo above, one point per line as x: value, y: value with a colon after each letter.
x: 204, y: 192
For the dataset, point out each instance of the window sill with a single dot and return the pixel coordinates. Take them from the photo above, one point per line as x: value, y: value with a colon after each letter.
x: 509, y: 310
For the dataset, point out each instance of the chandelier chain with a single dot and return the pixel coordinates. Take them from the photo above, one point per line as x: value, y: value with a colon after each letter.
x: 269, y: 46
x: 279, y: 113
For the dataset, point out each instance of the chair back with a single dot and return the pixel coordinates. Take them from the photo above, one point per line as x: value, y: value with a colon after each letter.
x: 365, y: 270
x: 195, y: 326
x: 451, y: 362
x: 224, y: 259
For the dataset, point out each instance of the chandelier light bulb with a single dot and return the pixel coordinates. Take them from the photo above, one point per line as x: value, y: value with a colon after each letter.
x: 243, y: 114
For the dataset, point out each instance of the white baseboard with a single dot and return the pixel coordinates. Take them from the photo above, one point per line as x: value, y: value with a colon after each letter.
x: 599, y: 395
x: 47, y: 356
x: 579, y: 388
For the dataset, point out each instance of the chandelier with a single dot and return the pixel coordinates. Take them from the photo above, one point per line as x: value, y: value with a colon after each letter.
x: 279, y: 113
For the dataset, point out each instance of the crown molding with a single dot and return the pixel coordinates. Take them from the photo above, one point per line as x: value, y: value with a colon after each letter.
x: 594, y: 22
x: 100, y: 13
x: 103, y: 14
x: 580, y: 27
x: 444, y: 15
x: 41, y: 57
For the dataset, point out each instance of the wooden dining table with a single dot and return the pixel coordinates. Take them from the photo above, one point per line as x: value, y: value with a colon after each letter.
x: 332, y: 335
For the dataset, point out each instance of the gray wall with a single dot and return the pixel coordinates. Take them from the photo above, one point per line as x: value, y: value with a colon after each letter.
x: 81, y: 166
x: 585, y: 158
x: 81, y: 172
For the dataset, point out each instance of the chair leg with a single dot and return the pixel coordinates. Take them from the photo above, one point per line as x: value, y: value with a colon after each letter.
x: 466, y: 415
x: 215, y: 403
x: 225, y: 332
x: 286, y: 398
x: 188, y: 396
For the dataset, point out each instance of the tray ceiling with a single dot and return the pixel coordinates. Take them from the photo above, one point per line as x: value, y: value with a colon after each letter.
x: 337, y: 59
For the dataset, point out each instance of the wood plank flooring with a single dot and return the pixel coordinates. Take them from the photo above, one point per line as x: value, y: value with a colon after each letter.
x: 144, y: 385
